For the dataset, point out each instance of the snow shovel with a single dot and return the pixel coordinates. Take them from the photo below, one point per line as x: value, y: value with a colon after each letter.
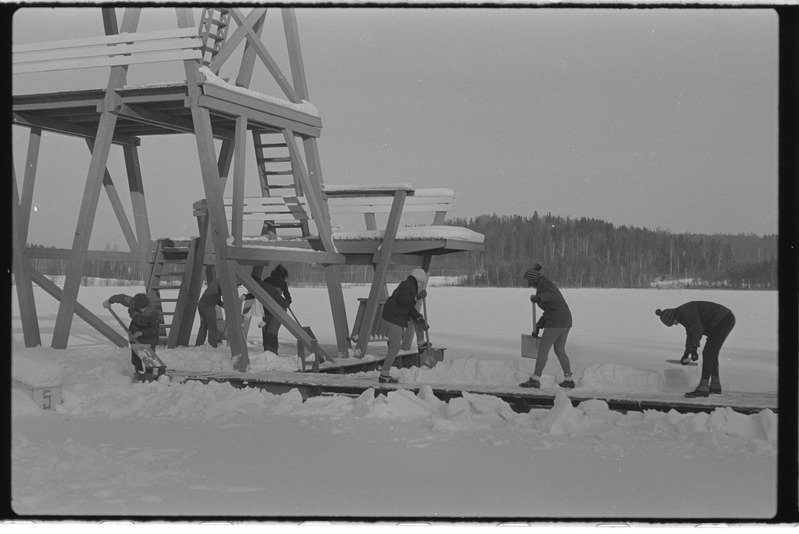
x: 429, y: 357
x: 321, y: 354
x: 153, y: 366
x: 530, y: 342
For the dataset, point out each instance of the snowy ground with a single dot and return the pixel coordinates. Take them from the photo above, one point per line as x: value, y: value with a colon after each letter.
x: 113, y: 448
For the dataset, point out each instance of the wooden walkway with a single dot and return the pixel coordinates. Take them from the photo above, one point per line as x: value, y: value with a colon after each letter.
x: 521, y: 400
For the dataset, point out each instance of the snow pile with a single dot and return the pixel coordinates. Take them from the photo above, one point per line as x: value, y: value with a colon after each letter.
x: 36, y: 370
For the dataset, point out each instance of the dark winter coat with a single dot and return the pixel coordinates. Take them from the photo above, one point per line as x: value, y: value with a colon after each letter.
x: 401, y: 305
x: 147, y: 321
x: 556, y: 312
x: 699, y: 318
x: 278, y: 289
x: 213, y: 294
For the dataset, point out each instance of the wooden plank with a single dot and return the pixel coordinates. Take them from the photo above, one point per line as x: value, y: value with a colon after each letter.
x: 264, y: 108
x: 81, y: 51
x: 107, y: 39
x: 87, y: 63
x: 265, y: 253
x: 262, y: 116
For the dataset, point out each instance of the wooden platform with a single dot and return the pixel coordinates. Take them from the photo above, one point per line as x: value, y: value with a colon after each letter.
x: 521, y: 400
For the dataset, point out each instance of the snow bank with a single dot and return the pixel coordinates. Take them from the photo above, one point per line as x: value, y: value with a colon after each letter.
x: 36, y: 369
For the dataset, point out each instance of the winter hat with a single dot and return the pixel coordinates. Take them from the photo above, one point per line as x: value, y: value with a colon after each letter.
x: 421, y: 277
x: 140, y: 301
x: 666, y: 316
x: 533, y: 274
x: 280, y: 272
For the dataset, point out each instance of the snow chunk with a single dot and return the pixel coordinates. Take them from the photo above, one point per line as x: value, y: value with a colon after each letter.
x: 35, y: 369
x: 624, y: 378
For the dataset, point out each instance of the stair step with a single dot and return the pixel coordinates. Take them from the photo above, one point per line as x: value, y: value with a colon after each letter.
x: 271, y: 145
x: 286, y: 159
x: 280, y: 173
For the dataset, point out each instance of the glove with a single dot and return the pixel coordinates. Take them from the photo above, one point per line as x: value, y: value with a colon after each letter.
x: 107, y: 305
x: 686, y: 357
x: 540, y: 324
x: 694, y: 355
x: 535, y: 298
x: 134, y: 337
x: 535, y: 332
x: 420, y: 321
x: 421, y: 294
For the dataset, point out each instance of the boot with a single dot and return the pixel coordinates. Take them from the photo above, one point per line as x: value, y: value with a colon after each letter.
x: 567, y: 382
x: 715, y: 385
x: 532, y: 383
x: 270, y: 343
x: 702, y: 390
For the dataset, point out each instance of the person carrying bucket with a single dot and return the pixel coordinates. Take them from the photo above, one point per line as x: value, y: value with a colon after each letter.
x: 398, y: 311
x: 556, y: 321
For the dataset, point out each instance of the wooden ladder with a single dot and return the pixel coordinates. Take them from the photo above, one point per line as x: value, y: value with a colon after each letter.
x: 167, y: 285
x: 214, y: 23
x: 276, y: 173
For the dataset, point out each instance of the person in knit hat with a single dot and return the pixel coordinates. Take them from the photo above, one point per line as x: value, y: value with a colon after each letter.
x: 702, y: 318
x: 145, y: 324
x: 398, y: 312
x: 556, y: 321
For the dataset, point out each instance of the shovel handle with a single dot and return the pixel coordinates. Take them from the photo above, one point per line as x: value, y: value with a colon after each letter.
x: 426, y: 331
x: 534, y: 320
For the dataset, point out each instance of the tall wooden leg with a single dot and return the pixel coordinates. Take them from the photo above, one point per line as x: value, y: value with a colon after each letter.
x: 22, y: 272
x: 338, y: 308
x: 83, y: 231
x: 137, y: 201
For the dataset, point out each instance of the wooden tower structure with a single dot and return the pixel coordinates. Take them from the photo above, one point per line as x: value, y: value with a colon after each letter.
x: 293, y: 214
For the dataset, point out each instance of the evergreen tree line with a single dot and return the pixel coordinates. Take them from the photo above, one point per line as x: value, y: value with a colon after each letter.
x: 593, y: 253
x: 575, y: 253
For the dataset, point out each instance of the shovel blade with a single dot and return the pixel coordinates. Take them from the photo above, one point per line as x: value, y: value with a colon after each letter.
x: 430, y: 357
x: 529, y: 346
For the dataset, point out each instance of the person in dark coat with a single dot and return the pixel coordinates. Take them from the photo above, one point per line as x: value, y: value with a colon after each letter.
x: 145, y: 323
x: 276, y: 285
x: 702, y: 318
x: 206, y: 307
x: 398, y: 312
x: 556, y: 321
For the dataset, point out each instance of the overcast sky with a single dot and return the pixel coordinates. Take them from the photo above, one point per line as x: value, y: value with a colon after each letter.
x: 662, y: 118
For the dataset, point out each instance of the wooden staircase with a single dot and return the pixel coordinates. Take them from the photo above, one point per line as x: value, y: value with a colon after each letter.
x: 174, y: 286
x: 276, y: 173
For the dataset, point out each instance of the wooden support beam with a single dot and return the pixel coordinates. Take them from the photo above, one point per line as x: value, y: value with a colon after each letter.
x: 91, y: 194
x: 239, y: 157
x: 380, y: 269
x: 216, y: 210
x: 162, y: 120
x: 81, y: 311
x: 140, y: 219
x: 228, y: 102
x: 116, y: 205
x: 233, y: 40
x: 29, y: 177
x: 188, y: 296
x: 22, y: 270
x: 294, y: 52
x: 248, y: 56
x: 246, y: 25
x: 254, y: 255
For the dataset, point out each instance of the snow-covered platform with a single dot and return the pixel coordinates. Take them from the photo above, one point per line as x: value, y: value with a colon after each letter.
x: 521, y: 400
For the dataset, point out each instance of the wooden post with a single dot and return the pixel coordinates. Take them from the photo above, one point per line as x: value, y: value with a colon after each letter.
x: 215, y: 207
x: 137, y: 201
x: 386, y: 247
x: 22, y: 271
x: 29, y: 177
x: 91, y: 193
x: 238, y: 180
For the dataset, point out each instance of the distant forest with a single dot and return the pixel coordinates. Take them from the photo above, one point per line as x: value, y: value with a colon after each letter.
x: 574, y: 252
